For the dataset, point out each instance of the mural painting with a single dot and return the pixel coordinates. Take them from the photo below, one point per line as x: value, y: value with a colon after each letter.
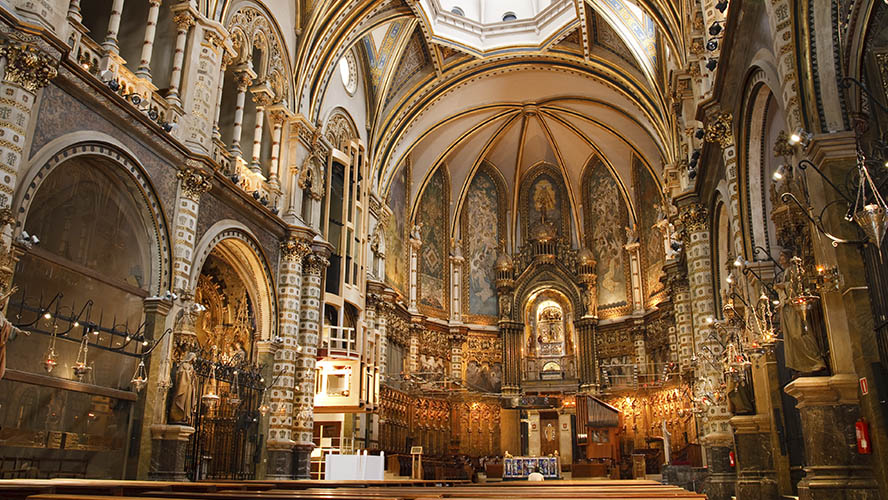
x: 433, y: 263
x: 649, y: 212
x: 396, y: 265
x: 543, y: 198
x: 606, y: 221
x: 481, y: 232
x: 483, y: 363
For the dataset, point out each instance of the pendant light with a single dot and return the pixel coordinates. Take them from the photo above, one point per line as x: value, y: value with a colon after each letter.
x: 81, y: 368
x: 140, y: 377
x: 871, y: 217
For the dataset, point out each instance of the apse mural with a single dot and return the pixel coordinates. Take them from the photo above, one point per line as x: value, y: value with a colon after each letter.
x: 543, y: 197
x: 482, y: 229
x: 649, y: 212
x: 396, y: 265
x: 432, y: 215
x: 606, y: 221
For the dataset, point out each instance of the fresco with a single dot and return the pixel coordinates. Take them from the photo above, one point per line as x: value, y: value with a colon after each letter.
x: 432, y: 215
x: 484, y: 377
x: 396, y: 265
x: 652, y: 257
x: 543, y: 196
x: 606, y: 221
x: 481, y: 236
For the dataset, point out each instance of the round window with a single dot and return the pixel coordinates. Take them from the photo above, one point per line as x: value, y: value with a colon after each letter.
x: 509, y: 16
x: 348, y: 73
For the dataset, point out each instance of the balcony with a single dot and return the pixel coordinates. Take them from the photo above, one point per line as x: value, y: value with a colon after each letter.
x: 339, y: 342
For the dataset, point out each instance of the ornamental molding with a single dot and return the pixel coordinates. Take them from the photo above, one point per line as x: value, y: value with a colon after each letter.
x: 27, y: 65
x: 294, y: 249
x: 193, y: 182
x: 694, y: 218
x: 719, y: 130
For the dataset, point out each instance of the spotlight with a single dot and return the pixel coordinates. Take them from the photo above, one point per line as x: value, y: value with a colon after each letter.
x: 693, y: 163
x: 729, y: 279
x: 711, y: 64
x: 692, y: 173
x: 76, y: 323
x: 799, y: 136
x: 696, y: 154
x: 133, y: 98
x: 47, y: 315
x: 738, y: 262
x: 712, y: 44
x: 715, y: 29
x: 700, y: 133
x: 35, y: 240
x: 145, y: 343
x: 152, y: 113
x: 721, y: 6
x: 256, y: 194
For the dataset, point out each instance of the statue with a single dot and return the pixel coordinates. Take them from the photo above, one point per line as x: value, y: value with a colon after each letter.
x: 415, y: 234
x: 631, y: 237
x: 185, y: 392
x: 8, y: 333
x: 591, y: 297
x: 505, y: 307
x: 803, y: 353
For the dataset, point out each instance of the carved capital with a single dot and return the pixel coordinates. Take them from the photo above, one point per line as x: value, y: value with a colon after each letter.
x: 183, y: 20
x: 315, y: 264
x: 782, y: 147
x: 294, y: 249
x: 718, y: 130
x: 7, y: 217
x: 694, y: 218
x: 194, y: 183
x: 242, y: 81
x: 27, y: 65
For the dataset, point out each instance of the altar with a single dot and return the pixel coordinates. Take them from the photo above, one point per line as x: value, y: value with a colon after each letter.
x: 521, y: 467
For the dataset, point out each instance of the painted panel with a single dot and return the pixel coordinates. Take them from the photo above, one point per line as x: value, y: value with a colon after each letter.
x: 650, y: 209
x: 481, y: 232
x: 396, y: 264
x: 607, y: 219
x: 433, y: 257
x: 543, y: 195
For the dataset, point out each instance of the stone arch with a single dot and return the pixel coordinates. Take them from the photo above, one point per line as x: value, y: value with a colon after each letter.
x: 340, y: 129
x: 551, y: 276
x: 95, y: 144
x: 244, y: 253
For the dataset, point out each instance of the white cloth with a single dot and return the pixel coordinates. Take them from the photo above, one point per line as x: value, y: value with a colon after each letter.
x: 535, y: 476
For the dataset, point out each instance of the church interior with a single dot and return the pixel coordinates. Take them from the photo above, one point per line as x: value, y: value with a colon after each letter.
x: 632, y: 245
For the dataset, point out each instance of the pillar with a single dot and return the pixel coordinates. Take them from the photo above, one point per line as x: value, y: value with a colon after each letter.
x: 587, y: 357
x: 110, y: 43
x: 184, y: 21
x: 144, y: 70
x: 632, y: 250
x: 310, y: 317
x: 255, y: 164
x: 152, y: 407
x: 415, y: 245
x: 511, y: 335
x: 457, y: 339
x: 26, y: 70
x: 280, y: 425
x: 716, y: 436
x: 217, y: 131
x: 192, y: 184
x: 277, y: 132
x: 242, y: 80
x: 456, y: 265
x: 416, y: 334
x: 679, y: 289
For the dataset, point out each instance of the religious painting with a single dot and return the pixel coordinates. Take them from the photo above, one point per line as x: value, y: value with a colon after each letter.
x: 396, y: 265
x: 431, y: 215
x: 484, y: 377
x: 650, y: 210
x: 483, y: 227
x: 544, y: 198
x: 606, y: 220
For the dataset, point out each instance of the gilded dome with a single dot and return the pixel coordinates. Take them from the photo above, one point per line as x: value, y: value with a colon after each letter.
x: 585, y: 257
x: 503, y: 262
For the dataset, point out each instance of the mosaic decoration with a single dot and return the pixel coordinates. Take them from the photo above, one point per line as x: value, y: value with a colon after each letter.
x: 649, y: 212
x: 482, y: 230
x: 606, y: 221
x: 378, y: 58
x: 543, y: 196
x: 396, y: 265
x: 433, y: 255
x: 639, y: 24
x: 415, y: 58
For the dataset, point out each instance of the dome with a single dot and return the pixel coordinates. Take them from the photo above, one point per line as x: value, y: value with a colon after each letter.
x: 503, y: 262
x: 543, y: 231
x: 585, y: 257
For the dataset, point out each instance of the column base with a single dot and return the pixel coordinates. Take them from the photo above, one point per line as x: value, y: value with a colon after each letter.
x: 756, y: 476
x: 302, y: 462
x: 829, y: 409
x: 168, y: 445
x: 721, y: 483
x: 280, y: 464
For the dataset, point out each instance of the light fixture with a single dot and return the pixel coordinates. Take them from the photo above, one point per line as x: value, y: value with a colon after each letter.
x: 799, y: 136
x: 778, y: 174
x: 712, y: 44
x: 715, y: 29
x: 711, y: 64
x: 140, y: 377
x: 47, y: 315
x: 739, y: 262
x: 81, y: 368
x: 870, y: 211
x: 721, y: 6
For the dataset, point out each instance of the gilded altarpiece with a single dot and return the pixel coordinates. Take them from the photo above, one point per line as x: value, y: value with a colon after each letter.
x: 483, y: 363
x: 650, y: 209
x: 606, y: 220
x: 396, y: 259
x: 544, y: 196
x: 485, y: 203
x: 432, y: 216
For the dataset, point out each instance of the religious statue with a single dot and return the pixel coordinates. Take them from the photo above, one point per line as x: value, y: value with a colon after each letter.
x: 8, y: 333
x: 591, y: 299
x: 740, y: 396
x: 631, y: 237
x: 415, y: 234
x: 185, y: 391
x: 803, y: 353
x: 505, y: 307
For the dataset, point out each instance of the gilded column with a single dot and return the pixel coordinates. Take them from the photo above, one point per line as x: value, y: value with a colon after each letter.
x: 310, y: 324
x: 184, y: 20
x: 716, y: 433
x: 511, y: 335
x: 280, y: 425
x: 144, y: 69
x: 587, y: 360
x: 632, y: 250
x: 192, y: 184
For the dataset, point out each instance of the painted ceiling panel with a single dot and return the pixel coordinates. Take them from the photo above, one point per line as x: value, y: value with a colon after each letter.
x: 536, y: 146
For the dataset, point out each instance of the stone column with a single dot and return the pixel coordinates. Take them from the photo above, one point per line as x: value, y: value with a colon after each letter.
x: 255, y: 164
x: 110, y: 43
x: 587, y: 355
x: 416, y: 334
x: 829, y: 409
x: 243, y: 78
x: 756, y: 476
x: 632, y: 250
x: 144, y: 70
x: 280, y: 425
x: 415, y: 245
x: 277, y: 133
x: 457, y: 339
x: 456, y: 263
x: 310, y: 323
x: 511, y: 335
x: 184, y: 21
x: 26, y: 70
x: 677, y: 284
x: 192, y: 184
x: 716, y: 435
x: 152, y: 407
x: 217, y: 131
x: 169, y: 443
